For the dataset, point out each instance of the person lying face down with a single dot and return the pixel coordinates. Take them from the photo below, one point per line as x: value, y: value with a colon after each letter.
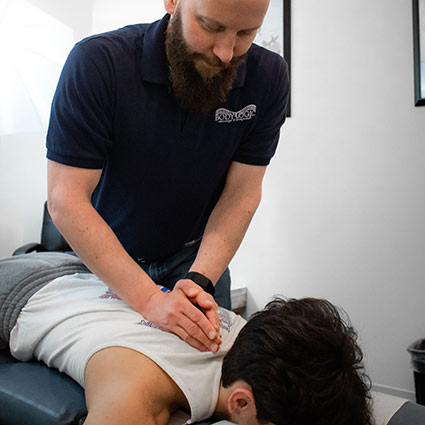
x: 296, y: 362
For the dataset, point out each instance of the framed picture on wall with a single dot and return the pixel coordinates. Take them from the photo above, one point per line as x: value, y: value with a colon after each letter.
x: 419, y: 50
x: 275, y: 33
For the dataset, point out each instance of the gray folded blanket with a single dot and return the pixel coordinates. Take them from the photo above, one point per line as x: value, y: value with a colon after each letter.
x: 22, y: 276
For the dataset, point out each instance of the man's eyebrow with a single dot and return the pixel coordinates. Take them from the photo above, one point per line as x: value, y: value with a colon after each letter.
x: 219, y: 24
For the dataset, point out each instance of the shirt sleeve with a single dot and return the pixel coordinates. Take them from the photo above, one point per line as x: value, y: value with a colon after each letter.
x: 259, y: 145
x: 80, y: 124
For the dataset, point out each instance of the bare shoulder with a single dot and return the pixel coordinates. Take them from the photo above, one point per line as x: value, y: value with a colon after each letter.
x: 125, y: 386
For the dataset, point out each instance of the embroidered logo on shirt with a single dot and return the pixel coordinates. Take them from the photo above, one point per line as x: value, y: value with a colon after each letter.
x: 223, y: 115
x: 147, y: 323
x: 225, y: 319
x: 110, y: 295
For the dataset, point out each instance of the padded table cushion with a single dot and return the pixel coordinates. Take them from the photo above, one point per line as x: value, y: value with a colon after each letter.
x: 32, y: 393
x: 409, y: 414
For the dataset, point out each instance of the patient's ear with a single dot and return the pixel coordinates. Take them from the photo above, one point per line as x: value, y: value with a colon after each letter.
x: 241, y: 401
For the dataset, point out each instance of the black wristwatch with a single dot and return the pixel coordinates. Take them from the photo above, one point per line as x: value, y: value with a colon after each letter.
x: 202, y: 281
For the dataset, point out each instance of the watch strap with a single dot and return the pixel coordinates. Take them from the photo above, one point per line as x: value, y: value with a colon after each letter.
x: 202, y: 281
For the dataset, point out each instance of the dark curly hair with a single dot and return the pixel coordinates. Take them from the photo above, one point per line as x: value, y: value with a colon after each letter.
x: 303, y: 363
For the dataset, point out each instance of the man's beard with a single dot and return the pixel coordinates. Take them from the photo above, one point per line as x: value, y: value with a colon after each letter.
x: 197, y: 92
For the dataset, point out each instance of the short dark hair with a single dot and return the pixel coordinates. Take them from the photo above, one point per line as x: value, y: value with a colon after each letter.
x: 303, y: 363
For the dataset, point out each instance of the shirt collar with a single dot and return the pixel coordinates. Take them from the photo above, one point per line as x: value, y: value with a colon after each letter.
x: 154, y: 67
x: 154, y: 60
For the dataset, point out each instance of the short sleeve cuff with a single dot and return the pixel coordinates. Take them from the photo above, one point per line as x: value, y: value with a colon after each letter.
x: 244, y: 159
x: 94, y: 164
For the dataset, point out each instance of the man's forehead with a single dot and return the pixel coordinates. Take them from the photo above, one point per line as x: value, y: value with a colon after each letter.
x: 227, y: 12
x: 217, y: 23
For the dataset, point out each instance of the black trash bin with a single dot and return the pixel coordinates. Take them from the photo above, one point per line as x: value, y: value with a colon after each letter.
x: 417, y: 351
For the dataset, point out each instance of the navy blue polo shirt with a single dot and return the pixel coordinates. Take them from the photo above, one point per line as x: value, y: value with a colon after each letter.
x: 164, y: 167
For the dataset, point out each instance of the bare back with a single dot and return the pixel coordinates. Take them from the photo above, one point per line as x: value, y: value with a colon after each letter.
x: 125, y: 386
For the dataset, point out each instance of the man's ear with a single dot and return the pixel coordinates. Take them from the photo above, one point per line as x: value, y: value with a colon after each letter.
x: 170, y: 6
x: 241, y: 402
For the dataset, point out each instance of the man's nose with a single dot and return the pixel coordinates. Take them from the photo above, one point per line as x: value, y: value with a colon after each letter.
x: 224, y: 47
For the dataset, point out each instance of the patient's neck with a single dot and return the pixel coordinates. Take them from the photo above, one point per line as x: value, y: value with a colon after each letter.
x: 221, y: 411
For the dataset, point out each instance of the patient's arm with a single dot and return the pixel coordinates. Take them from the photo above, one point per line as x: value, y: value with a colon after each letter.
x: 125, y: 387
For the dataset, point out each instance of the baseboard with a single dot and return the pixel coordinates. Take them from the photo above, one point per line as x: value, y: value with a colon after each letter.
x: 239, y: 299
x: 397, y: 392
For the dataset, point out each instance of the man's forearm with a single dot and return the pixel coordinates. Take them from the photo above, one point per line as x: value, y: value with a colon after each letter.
x: 98, y: 247
x: 224, y: 232
x: 69, y: 202
x: 96, y: 244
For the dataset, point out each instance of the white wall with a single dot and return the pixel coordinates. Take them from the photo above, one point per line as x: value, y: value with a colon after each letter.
x: 23, y: 167
x: 107, y: 16
x: 23, y: 188
x: 343, y: 211
x: 76, y: 14
x: 343, y: 207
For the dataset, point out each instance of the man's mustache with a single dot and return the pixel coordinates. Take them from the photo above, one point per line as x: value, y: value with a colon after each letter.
x: 216, y: 62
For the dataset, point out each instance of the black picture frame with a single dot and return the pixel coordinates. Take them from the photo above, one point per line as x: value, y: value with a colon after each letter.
x: 287, y: 45
x: 275, y: 34
x: 419, y: 50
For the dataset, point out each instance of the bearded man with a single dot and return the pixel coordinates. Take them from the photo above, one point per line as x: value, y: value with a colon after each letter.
x: 158, y: 142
